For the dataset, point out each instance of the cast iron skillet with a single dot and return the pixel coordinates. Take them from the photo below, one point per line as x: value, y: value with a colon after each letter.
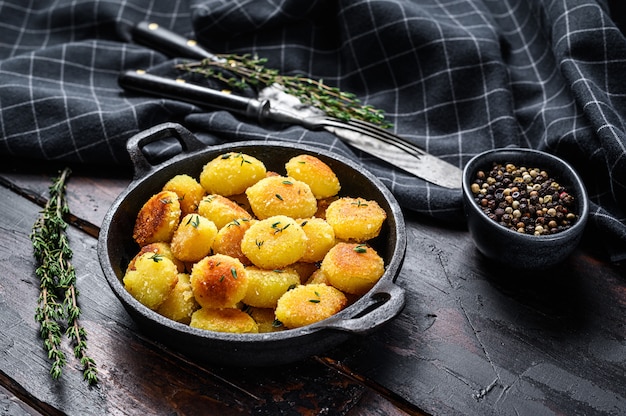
x: 116, y: 247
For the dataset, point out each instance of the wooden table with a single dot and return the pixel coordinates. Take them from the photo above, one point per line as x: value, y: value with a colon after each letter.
x: 473, y: 338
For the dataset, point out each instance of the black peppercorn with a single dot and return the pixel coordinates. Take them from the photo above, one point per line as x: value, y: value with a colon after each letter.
x: 523, y: 199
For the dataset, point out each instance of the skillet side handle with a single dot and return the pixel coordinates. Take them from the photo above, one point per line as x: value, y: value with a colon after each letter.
x: 135, y: 144
x: 382, y: 305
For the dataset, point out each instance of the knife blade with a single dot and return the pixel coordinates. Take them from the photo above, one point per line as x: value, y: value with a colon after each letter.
x: 402, y: 155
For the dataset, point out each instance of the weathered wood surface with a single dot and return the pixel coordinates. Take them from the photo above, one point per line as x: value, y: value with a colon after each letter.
x: 473, y: 338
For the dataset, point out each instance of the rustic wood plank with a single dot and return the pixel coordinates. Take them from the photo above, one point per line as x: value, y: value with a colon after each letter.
x: 137, y: 375
x: 482, y: 339
x: 473, y: 338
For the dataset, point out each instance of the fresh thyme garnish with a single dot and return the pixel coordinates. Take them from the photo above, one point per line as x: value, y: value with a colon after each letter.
x: 194, y: 220
x: 156, y: 257
x: 315, y: 300
x: 361, y: 248
x: 241, y: 71
x: 58, y: 277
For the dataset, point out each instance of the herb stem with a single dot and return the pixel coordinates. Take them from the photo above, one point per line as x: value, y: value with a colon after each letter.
x: 57, y: 275
x: 250, y: 71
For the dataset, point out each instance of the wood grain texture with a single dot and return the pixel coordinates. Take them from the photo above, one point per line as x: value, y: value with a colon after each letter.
x: 473, y: 339
x: 137, y: 375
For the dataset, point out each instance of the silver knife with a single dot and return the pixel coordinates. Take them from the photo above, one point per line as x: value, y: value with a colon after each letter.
x: 387, y: 147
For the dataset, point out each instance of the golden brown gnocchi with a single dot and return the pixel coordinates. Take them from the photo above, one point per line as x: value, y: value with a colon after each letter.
x: 280, y: 195
x: 219, y: 281
x: 315, y: 173
x: 157, y: 219
x: 151, y: 280
x: 193, y: 238
x: 221, y: 210
x: 231, y: 174
x: 274, y: 243
x: 247, y: 250
x: 308, y: 304
x: 180, y: 304
x: 189, y: 192
x: 223, y: 320
x: 355, y: 219
x: 353, y: 268
x: 265, y: 287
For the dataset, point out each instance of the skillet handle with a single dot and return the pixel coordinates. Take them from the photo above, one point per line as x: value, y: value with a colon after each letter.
x: 135, y: 144
x: 381, y: 306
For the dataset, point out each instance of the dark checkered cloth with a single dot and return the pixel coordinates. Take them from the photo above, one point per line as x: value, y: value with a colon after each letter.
x: 455, y: 77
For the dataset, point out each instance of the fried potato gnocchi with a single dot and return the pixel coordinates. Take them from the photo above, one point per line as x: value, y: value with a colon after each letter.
x: 307, y: 304
x: 189, y: 192
x: 221, y: 210
x: 223, y: 320
x: 274, y: 243
x: 355, y: 219
x: 157, y: 219
x: 266, y: 286
x: 320, y: 238
x: 352, y: 268
x: 151, y: 280
x: 280, y: 195
x: 180, y: 303
x: 228, y: 239
x: 162, y: 249
x: 231, y: 174
x: 315, y: 173
x: 243, y: 249
x: 265, y: 319
x: 193, y: 238
x: 218, y: 281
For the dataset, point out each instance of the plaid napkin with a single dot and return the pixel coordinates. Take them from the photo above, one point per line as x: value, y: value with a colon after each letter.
x: 455, y: 77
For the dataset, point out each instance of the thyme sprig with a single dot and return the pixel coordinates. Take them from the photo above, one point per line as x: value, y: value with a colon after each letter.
x: 58, y: 277
x: 243, y: 71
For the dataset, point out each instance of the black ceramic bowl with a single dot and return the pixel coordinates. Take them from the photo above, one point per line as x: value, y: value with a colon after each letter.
x: 514, y: 249
x: 116, y: 248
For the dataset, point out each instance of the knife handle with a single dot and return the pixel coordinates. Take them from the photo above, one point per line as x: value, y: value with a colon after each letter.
x: 178, y: 89
x: 169, y: 43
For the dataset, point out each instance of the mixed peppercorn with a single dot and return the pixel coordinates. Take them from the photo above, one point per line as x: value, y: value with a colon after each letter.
x: 523, y: 199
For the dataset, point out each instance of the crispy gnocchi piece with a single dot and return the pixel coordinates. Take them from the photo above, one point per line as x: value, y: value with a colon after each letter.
x: 223, y: 320
x: 231, y: 174
x: 305, y: 270
x: 228, y: 239
x: 320, y: 238
x: 160, y: 248
x: 151, y: 280
x: 318, y: 276
x: 193, y: 238
x: 307, y: 304
x: 352, y: 268
x: 355, y: 219
x: 265, y: 319
x: 218, y: 281
x: 180, y: 303
x: 266, y: 286
x: 157, y: 219
x: 315, y: 173
x: 274, y: 243
x: 189, y: 192
x: 221, y: 210
x: 280, y: 195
